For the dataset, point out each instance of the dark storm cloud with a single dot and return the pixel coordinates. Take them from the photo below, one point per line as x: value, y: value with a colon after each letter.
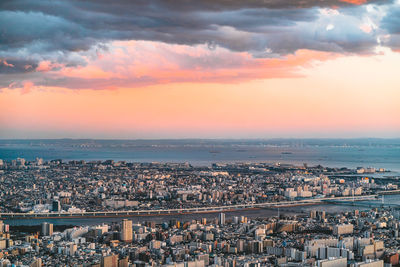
x: 75, y: 26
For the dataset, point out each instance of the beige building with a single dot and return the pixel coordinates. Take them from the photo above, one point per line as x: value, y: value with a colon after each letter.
x: 340, y: 262
x: 377, y: 263
x: 126, y: 232
x: 72, y: 249
x: 109, y: 261
x: 342, y: 229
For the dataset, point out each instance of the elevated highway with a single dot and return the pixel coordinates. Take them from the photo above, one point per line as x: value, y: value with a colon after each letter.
x: 389, y: 192
x: 211, y: 209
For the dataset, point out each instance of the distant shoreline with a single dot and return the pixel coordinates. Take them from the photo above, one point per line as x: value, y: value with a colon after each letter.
x: 328, y: 152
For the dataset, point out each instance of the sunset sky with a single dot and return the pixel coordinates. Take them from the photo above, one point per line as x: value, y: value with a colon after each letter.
x: 199, y: 69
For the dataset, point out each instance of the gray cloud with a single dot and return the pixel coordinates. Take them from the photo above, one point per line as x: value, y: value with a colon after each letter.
x: 391, y: 21
x: 67, y: 31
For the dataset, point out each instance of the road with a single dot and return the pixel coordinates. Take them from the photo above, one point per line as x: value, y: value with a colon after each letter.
x: 311, y: 201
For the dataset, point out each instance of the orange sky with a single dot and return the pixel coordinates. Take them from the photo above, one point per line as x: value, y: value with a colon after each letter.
x: 309, y: 94
x: 199, y: 69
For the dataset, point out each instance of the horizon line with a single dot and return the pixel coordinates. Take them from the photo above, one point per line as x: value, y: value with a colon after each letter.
x: 211, y: 139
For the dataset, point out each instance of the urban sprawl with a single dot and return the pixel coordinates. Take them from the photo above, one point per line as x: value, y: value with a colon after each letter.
x: 363, y: 236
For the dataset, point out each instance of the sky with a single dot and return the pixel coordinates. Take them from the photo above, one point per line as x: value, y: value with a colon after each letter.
x: 199, y: 69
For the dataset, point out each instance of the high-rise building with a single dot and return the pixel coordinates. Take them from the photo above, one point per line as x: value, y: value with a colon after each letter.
x: 126, y: 232
x: 47, y: 229
x: 240, y: 245
x: 72, y: 249
x: 56, y: 206
x: 321, y: 215
x: 222, y: 218
x: 313, y: 214
x: 109, y: 261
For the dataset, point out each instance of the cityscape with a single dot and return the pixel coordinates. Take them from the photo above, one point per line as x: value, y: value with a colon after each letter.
x: 196, y: 133
x: 176, y: 214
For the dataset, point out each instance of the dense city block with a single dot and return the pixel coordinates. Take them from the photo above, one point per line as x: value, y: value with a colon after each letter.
x: 78, y: 186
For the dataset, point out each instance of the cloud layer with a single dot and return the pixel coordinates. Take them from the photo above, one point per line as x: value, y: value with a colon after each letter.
x: 42, y: 41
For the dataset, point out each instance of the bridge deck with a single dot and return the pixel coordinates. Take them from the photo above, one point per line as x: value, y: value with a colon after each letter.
x: 310, y: 201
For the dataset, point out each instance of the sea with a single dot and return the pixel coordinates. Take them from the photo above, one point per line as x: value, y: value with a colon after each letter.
x: 350, y: 153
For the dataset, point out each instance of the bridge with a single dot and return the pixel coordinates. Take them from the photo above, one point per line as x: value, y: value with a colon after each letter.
x: 389, y: 192
x: 211, y: 209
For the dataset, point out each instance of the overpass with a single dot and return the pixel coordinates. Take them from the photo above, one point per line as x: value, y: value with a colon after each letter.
x: 211, y: 209
x: 389, y: 192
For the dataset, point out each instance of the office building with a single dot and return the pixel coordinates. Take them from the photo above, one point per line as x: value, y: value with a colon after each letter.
x: 343, y: 229
x: 47, y: 229
x: 56, y: 207
x: 222, y: 218
x: 126, y: 232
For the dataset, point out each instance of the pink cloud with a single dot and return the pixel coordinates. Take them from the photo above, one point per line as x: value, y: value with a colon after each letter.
x: 87, y: 72
x: 27, y: 87
x: 45, y: 66
x: 141, y: 63
x: 5, y: 63
x: 355, y: 2
x: 366, y: 28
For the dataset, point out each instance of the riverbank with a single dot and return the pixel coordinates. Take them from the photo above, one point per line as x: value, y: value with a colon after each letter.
x: 250, y: 213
